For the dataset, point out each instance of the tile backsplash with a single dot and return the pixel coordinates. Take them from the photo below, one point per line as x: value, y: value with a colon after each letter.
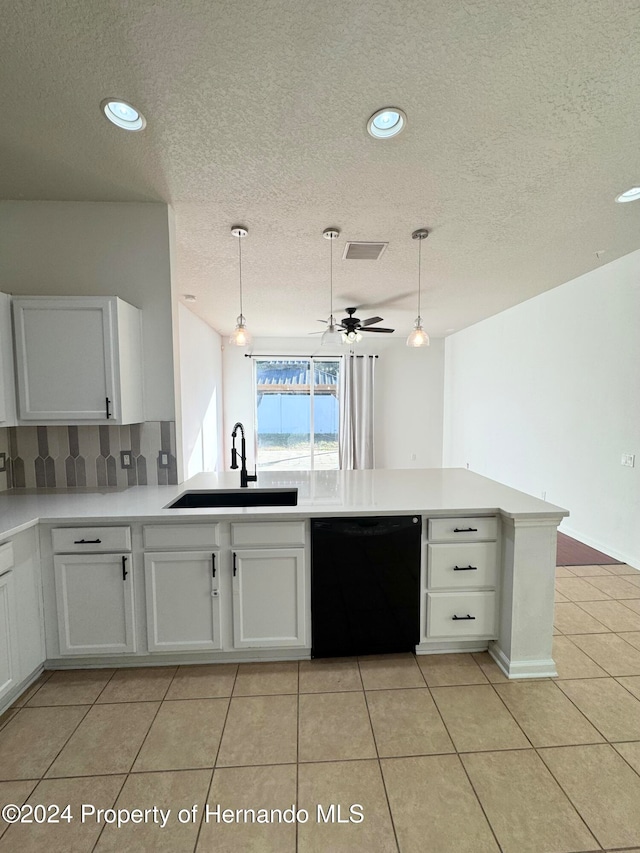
x: 81, y: 456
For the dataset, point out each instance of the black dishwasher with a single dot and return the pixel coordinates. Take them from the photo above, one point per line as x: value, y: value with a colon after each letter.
x: 365, y: 585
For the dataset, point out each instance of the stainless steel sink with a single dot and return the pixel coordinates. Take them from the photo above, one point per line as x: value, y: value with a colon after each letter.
x: 236, y: 497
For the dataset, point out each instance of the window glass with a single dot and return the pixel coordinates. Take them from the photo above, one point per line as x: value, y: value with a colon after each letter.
x: 297, y: 414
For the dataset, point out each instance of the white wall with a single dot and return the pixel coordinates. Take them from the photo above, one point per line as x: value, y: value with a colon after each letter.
x: 409, y: 397
x: 100, y: 249
x: 200, y: 365
x: 546, y: 397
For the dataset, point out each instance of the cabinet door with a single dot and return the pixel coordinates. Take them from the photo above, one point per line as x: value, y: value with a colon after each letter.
x: 7, y: 389
x: 269, y: 598
x: 183, y: 604
x: 65, y: 359
x: 94, y: 597
x: 8, y: 637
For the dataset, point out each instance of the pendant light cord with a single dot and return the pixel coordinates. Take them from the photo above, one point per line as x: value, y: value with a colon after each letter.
x: 419, y: 271
x: 240, y: 266
x: 331, y: 283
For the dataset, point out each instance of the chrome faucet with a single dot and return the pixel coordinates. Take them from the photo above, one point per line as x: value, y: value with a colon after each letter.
x: 244, y: 477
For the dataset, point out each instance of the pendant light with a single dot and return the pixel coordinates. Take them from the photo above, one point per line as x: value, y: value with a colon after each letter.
x: 240, y: 336
x: 332, y: 334
x: 418, y: 337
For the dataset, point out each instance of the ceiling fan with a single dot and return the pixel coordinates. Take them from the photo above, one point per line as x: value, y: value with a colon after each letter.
x: 352, y: 326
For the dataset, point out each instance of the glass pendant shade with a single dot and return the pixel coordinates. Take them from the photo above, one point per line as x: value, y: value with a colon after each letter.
x: 332, y: 334
x: 353, y: 337
x: 418, y: 337
x: 241, y: 336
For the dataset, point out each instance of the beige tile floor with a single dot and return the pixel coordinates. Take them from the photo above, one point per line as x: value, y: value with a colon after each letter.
x: 443, y: 753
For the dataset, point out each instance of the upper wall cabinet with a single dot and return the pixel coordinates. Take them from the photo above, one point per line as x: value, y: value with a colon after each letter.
x: 7, y: 389
x: 78, y: 360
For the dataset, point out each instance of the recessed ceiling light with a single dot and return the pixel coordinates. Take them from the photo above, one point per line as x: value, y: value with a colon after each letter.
x: 387, y: 122
x: 123, y: 114
x: 629, y: 195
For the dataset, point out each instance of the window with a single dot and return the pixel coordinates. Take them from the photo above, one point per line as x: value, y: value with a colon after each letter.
x: 297, y: 413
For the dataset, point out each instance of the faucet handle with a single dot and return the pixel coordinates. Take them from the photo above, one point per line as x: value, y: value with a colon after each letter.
x: 234, y: 459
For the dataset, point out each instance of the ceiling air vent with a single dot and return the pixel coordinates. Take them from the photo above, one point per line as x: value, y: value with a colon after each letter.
x: 358, y: 251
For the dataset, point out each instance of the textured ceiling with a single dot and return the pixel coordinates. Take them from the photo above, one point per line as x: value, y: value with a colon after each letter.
x: 522, y: 127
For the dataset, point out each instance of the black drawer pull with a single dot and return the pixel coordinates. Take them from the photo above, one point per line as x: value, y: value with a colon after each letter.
x: 465, y: 568
x: 465, y: 529
x: 107, y: 405
x: 87, y: 542
x: 124, y: 569
x: 213, y: 565
x: 462, y: 618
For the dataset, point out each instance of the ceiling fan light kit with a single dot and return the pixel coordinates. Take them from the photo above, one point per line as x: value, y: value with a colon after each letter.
x: 241, y: 336
x: 418, y: 337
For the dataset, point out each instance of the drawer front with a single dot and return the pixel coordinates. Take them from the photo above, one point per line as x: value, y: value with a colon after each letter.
x: 6, y: 557
x: 442, y: 607
x: 78, y: 540
x: 267, y: 533
x: 464, y: 565
x: 463, y: 529
x: 181, y: 536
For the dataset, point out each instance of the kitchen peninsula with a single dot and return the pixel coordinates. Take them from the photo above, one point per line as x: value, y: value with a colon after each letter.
x: 121, y: 579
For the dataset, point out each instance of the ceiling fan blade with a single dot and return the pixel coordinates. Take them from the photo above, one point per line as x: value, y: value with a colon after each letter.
x: 376, y: 329
x: 350, y: 299
x: 371, y: 320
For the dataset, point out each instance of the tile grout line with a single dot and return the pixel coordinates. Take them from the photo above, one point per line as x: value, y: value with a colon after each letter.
x: 215, y: 760
x: 457, y: 753
x: 569, y: 800
x: 375, y: 744
x: 297, y: 757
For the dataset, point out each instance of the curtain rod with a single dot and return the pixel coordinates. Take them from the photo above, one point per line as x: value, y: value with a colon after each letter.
x: 289, y: 355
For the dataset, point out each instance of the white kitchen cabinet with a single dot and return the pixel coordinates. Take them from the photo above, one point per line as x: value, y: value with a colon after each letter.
x: 94, y: 602
x: 269, y: 600
x: 9, y: 661
x: 7, y: 382
x: 78, y: 360
x: 183, y: 601
x: 461, y: 575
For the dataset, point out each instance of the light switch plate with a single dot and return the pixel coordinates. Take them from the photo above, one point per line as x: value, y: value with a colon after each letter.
x: 163, y: 459
x: 628, y: 460
x: 126, y: 459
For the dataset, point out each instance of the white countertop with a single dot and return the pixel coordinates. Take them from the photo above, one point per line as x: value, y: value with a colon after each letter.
x: 437, y: 491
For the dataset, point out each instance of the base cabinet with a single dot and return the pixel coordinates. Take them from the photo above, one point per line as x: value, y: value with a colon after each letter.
x: 182, y: 601
x: 269, y: 604
x: 94, y: 599
x: 8, y: 634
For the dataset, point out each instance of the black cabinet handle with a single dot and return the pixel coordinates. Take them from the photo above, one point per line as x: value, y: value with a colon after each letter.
x: 462, y: 618
x: 465, y: 529
x: 87, y: 541
x: 235, y: 565
x: 107, y: 405
x: 124, y: 569
x: 465, y: 568
x: 213, y: 565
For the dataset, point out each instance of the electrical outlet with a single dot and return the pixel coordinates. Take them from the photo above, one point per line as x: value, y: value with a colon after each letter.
x: 163, y: 459
x: 628, y: 460
x: 3, y: 462
x: 126, y: 459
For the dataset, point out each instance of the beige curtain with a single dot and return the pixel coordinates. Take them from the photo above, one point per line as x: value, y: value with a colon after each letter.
x: 356, y: 412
